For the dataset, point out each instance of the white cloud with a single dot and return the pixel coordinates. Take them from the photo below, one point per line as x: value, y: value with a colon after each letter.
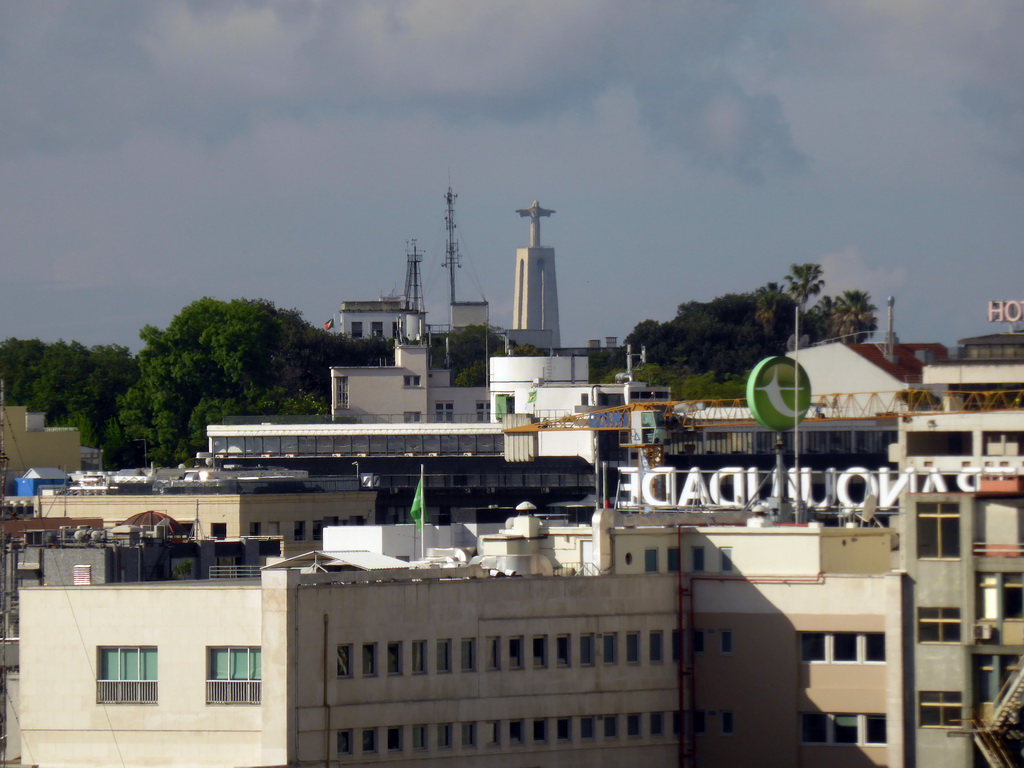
x: 848, y: 269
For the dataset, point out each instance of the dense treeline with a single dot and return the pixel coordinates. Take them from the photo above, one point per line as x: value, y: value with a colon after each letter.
x: 708, y: 348
x: 214, y: 359
x: 247, y: 357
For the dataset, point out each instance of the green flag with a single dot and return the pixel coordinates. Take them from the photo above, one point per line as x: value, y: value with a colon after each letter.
x: 418, y: 512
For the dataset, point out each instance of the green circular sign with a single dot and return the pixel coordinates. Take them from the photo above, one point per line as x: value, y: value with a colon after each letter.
x: 773, y: 395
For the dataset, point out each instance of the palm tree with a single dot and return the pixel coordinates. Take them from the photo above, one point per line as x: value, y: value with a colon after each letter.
x: 819, y: 318
x: 803, y: 282
x: 771, y: 301
x: 853, y: 316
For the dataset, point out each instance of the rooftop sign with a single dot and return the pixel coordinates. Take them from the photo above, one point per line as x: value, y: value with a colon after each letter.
x: 775, y: 397
x: 1005, y: 311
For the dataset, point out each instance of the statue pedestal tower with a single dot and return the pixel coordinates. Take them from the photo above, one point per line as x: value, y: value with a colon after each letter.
x: 535, y: 304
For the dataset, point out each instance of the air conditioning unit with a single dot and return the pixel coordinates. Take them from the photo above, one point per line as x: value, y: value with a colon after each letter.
x: 984, y: 631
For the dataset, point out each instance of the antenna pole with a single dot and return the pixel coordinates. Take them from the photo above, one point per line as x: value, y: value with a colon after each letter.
x: 451, y: 254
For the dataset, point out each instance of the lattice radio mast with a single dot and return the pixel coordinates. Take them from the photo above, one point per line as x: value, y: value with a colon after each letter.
x: 451, y: 254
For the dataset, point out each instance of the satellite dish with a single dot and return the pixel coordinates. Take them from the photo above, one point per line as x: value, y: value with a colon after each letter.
x: 791, y: 342
x: 867, y: 514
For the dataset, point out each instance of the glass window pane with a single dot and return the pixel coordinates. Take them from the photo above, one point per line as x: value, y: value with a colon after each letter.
x: 255, y: 663
x: 844, y: 646
x: 812, y: 646
x: 129, y: 663
x: 239, y: 663
x: 813, y: 728
x: 110, y: 666
x: 844, y: 729
x: 219, y: 666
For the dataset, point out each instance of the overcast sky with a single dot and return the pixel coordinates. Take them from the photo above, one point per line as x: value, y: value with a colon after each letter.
x: 152, y: 153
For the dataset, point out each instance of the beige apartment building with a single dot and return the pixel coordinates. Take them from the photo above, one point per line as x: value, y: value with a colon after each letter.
x: 701, y: 645
x: 298, y: 518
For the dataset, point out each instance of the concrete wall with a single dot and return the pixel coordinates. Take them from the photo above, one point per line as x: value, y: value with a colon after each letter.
x: 61, y: 631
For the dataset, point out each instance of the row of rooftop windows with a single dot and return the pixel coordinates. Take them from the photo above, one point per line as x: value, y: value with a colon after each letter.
x: 360, y: 445
x: 498, y: 733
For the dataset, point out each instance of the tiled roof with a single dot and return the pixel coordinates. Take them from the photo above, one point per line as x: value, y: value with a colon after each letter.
x: 907, y: 366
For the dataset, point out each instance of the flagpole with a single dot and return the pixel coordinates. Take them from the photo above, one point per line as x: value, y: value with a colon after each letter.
x: 423, y: 517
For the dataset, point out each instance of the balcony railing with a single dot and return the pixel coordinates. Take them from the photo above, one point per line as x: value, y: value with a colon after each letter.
x: 984, y: 549
x: 234, y: 571
x: 233, y: 691
x: 126, y: 692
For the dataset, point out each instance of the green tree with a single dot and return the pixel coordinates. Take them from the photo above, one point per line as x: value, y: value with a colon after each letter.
x: 772, y: 305
x: 803, y: 282
x: 465, y: 349
x: 853, y: 317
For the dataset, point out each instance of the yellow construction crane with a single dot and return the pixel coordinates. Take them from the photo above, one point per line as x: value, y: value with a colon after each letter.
x: 648, y: 422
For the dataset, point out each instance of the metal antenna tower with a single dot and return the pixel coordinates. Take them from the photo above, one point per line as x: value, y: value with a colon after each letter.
x: 451, y: 254
x: 413, y: 282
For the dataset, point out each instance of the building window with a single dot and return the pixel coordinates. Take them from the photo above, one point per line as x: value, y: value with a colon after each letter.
x: 842, y: 647
x: 844, y: 729
x: 412, y: 417
x: 344, y: 739
x: 483, y: 411
x: 469, y: 734
x: 357, y: 329
x: 493, y: 732
x: 234, y: 676
x: 563, y: 729
x: 395, y: 658
x: 419, y: 657
x: 444, y: 735
x: 444, y: 655
x: 300, y: 530
x: 633, y: 725
x: 609, y: 642
x: 939, y: 709
x: 219, y: 530
x: 657, y: 723
x: 728, y: 727
x: 369, y: 737
x: 340, y: 392
x: 540, y: 730
x: 377, y: 330
x: 493, y: 653
x: 654, y: 646
x: 725, y: 640
x: 128, y: 675
x: 697, y: 559
x: 632, y: 647
x: 700, y: 721
x: 468, y: 655
x: 563, y: 645
x: 587, y: 650
x: 394, y: 739
x: 515, y: 653
x: 586, y: 727
x: 938, y: 531
x: 673, y: 559
x: 611, y: 726
x: 515, y: 731
x: 254, y: 529
x: 727, y: 566
x: 344, y: 661
x: 540, y: 652
x: 419, y: 737
x: 698, y: 641
x: 369, y: 659
x: 676, y: 645
x: 411, y: 381
x: 444, y: 412
x: 650, y: 561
